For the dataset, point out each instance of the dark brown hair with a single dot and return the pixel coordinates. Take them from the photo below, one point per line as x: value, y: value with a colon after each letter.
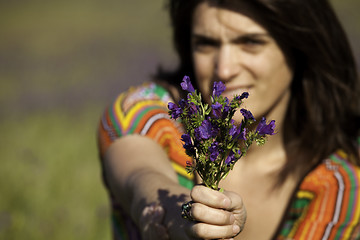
x: 323, y: 113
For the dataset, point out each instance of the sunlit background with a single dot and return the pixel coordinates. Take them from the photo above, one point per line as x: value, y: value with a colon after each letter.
x: 61, y: 63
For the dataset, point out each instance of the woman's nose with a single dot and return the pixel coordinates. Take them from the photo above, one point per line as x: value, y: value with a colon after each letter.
x: 227, y: 65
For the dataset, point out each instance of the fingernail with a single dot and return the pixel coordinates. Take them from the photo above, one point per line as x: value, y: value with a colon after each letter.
x: 236, y: 229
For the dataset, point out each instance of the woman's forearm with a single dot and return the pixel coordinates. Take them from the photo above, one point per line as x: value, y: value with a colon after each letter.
x: 139, y: 173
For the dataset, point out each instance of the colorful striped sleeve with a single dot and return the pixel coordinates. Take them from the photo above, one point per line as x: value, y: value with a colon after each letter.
x: 327, y: 203
x: 143, y: 110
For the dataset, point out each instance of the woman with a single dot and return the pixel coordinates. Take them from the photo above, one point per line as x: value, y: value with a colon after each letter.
x: 294, y: 59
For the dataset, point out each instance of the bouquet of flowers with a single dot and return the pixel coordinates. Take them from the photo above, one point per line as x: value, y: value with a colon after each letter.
x: 212, y: 139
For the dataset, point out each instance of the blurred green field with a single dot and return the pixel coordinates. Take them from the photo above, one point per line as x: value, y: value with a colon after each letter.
x: 61, y: 62
x: 50, y: 179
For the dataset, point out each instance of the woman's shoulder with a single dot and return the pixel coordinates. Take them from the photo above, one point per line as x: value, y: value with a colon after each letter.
x: 149, y: 92
x: 139, y: 110
x: 133, y: 108
x: 337, y: 169
x: 326, y: 202
x: 340, y: 166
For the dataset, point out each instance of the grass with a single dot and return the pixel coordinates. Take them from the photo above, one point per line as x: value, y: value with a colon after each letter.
x: 50, y: 178
x: 61, y: 62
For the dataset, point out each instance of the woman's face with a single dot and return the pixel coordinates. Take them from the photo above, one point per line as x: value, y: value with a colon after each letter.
x: 230, y: 47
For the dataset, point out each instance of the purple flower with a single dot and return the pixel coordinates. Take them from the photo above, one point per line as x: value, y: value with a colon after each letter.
x: 218, y: 88
x: 204, y: 131
x: 247, y: 114
x: 242, y: 135
x: 226, y: 107
x: 186, y: 84
x: 220, y: 111
x: 182, y: 103
x: 242, y: 96
x: 187, y: 141
x: 216, y: 109
x: 175, y: 110
x: 214, y: 151
x: 193, y: 108
x: 233, y: 131
x: 264, y: 128
x: 214, y: 128
x: 230, y: 158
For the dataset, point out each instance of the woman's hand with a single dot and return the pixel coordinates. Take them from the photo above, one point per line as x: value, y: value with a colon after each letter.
x: 217, y: 214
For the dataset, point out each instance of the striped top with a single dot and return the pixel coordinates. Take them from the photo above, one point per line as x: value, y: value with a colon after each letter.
x: 326, y: 204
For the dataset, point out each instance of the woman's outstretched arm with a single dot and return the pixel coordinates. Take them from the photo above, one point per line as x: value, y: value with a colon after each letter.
x: 139, y: 173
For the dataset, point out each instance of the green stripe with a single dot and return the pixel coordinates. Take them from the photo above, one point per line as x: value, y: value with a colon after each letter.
x: 299, y: 207
x: 139, y: 117
x: 160, y: 91
x: 185, y: 182
x: 113, y: 120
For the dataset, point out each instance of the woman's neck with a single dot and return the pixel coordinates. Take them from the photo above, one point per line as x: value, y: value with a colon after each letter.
x: 272, y: 154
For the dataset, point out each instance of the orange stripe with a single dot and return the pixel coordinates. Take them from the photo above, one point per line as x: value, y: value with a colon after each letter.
x: 104, y: 140
x: 345, y: 202
x: 166, y: 134
x: 321, y: 210
x: 146, y: 118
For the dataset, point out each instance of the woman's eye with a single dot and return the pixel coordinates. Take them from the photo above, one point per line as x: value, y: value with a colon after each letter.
x: 204, y: 45
x: 252, y: 44
x: 253, y: 41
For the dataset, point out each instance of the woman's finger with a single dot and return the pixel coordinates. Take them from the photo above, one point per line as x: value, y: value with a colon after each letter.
x: 236, y: 202
x: 209, y: 231
x: 226, y: 200
x: 203, y: 213
x: 237, y: 208
x: 210, y: 197
x: 216, y: 199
